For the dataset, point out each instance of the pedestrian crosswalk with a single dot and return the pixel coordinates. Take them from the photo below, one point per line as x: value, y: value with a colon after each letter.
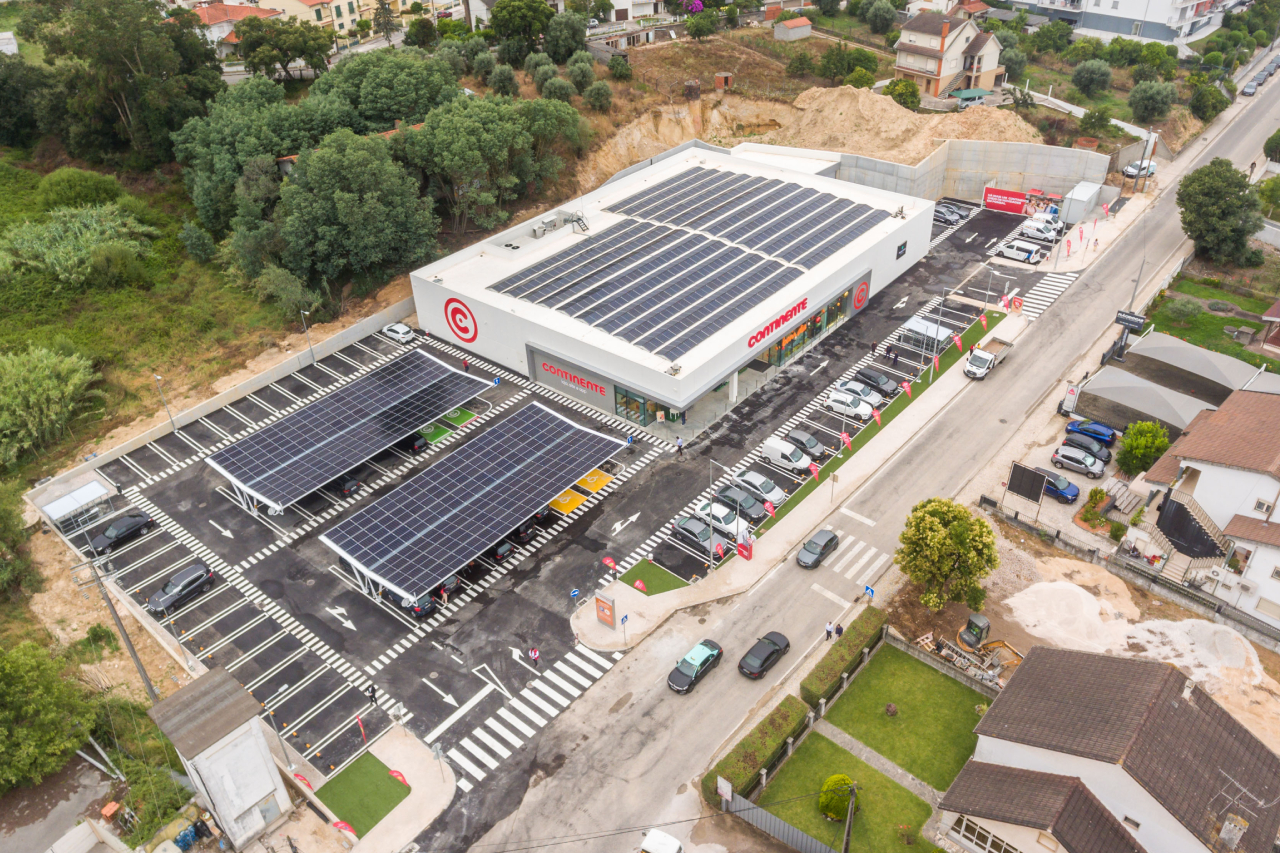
x: 1045, y: 293
x: 484, y: 748
x: 857, y: 559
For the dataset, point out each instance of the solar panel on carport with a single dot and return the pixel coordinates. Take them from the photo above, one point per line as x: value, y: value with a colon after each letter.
x: 448, y: 515
x: 291, y: 458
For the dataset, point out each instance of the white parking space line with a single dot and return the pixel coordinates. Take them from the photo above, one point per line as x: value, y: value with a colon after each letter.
x: 862, y: 562
x: 465, y: 763
x: 844, y: 561
x: 857, y: 517
x: 826, y: 593
x: 505, y: 732
x: 491, y: 742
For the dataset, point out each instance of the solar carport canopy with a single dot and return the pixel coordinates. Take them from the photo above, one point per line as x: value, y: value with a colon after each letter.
x: 433, y: 525
x: 291, y: 458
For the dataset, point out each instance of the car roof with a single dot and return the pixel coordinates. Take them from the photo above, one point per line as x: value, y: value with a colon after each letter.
x: 699, y: 653
x: 867, y: 371
x: 799, y: 433
x: 822, y: 536
x: 752, y: 476
x: 776, y: 638
x: 191, y: 571
x: 730, y: 488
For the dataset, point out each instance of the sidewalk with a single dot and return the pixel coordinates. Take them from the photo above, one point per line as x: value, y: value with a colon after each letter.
x: 645, y: 613
x: 432, y: 783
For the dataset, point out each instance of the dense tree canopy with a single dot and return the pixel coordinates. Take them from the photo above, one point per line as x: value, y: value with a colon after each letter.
x: 947, y: 552
x: 566, y: 34
x: 1219, y: 210
x: 387, y: 85
x: 271, y: 45
x: 522, y: 19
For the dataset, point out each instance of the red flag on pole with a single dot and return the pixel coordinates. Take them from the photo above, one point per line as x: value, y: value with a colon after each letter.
x: 608, y: 561
x: 814, y: 470
x: 1081, y: 233
x: 396, y: 774
x: 959, y: 345
x: 876, y: 414
x: 344, y: 826
x: 983, y: 318
x: 1004, y: 300
x: 844, y: 436
x: 1106, y: 210
x: 639, y: 585
x: 720, y: 550
x: 303, y: 780
x: 936, y: 365
x: 768, y: 507
x: 906, y: 386
x: 360, y: 723
x: 1068, y: 248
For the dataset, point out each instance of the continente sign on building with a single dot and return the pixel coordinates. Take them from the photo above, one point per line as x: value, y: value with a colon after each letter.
x: 781, y: 320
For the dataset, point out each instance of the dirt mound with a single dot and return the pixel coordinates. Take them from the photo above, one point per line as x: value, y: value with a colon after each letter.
x: 858, y: 121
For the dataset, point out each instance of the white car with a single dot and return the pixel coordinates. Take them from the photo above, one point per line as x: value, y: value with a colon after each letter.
x: 1052, y: 221
x: 398, y: 332
x: 1140, y: 169
x: 723, y: 519
x: 842, y: 403
x: 760, y: 487
x: 862, y: 391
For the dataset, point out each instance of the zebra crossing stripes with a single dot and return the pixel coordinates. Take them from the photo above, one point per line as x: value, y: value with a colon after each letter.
x: 1045, y: 293
x: 484, y: 748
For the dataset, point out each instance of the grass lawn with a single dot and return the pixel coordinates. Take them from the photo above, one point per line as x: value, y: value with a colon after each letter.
x: 1205, y: 330
x: 1191, y: 288
x: 435, y: 433
x: 459, y: 417
x: 656, y: 579
x: 363, y: 794
x: 883, y: 805
x: 932, y: 735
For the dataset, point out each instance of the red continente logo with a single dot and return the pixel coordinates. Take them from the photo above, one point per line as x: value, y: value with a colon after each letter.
x: 784, y: 318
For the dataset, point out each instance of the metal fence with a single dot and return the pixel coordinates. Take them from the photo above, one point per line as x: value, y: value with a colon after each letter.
x: 776, y: 827
x: 1050, y: 535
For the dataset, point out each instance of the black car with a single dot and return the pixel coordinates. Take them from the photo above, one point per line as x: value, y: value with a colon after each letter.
x: 808, y: 445
x: 767, y: 651
x: 1088, y: 445
x: 181, y: 588
x: 876, y: 380
x: 120, y: 531
x: 744, y: 504
x: 542, y: 515
x: 451, y: 586
x: 345, y: 486
x: 696, y: 532
x: 423, y: 607
x: 415, y: 443
x: 501, y: 551
x: 820, y: 546
x: 689, y: 670
x: 525, y: 532
x: 947, y: 215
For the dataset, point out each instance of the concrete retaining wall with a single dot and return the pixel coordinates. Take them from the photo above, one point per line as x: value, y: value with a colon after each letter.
x: 941, y: 666
x: 369, y: 325
x: 87, y: 837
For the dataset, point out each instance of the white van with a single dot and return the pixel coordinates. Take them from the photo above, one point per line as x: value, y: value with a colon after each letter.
x: 657, y: 841
x: 786, y: 455
x: 1020, y: 250
x: 1040, y: 230
x: 1052, y: 220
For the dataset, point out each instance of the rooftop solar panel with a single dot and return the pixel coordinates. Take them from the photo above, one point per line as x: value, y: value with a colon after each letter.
x: 291, y: 458
x: 843, y: 239
x: 638, y: 199
x: 448, y: 515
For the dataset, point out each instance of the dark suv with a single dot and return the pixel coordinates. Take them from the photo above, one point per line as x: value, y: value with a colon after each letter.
x: 124, y: 529
x: 877, y: 380
x: 195, y: 579
x: 423, y: 607
x: 744, y: 504
x: 1089, y: 445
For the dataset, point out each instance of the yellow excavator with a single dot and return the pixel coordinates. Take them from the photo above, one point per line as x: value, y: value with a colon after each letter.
x: 992, y: 655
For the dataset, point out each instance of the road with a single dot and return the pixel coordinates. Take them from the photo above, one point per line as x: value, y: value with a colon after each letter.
x: 627, y: 755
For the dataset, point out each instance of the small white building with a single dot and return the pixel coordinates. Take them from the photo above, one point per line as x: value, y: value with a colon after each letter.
x: 793, y: 29
x: 8, y: 44
x: 1085, y: 753
x: 213, y: 724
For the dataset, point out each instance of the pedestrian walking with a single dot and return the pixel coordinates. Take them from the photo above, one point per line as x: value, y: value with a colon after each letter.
x: 971, y: 349
x: 873, y: 347
x: 679, y: 447
x: 466, y: 366
x: 534, y: 655
x: 372, y: 693
x: 839, y: 631
x: 895, y: 359
x: 830, y: 630
x: 682, y: 419
x: 1095, y: 244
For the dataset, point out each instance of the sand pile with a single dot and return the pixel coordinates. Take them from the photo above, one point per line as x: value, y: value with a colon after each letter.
x: 858, y: 121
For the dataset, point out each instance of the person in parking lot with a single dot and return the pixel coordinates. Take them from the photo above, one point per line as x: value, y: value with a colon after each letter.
x: 466, y: 366
x: 679, y: 447
x: 444, y: 595
x: 895, y: 358
x: 372, y: 693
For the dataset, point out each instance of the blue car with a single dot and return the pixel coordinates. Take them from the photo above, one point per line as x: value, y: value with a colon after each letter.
x: 1058, y: 486
x: 1095, y: 430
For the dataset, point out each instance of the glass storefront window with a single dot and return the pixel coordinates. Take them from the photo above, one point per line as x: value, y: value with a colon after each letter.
x: 635, y: 408
x: 786, y: 347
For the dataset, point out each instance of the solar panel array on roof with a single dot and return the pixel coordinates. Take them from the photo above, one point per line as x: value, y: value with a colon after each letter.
x: 440, y: 520
x: 695, y: 252
x: 291, y: 458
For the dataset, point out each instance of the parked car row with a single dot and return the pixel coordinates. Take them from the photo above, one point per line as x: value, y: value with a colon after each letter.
x: 1084, y: 449
x: 706, y: 656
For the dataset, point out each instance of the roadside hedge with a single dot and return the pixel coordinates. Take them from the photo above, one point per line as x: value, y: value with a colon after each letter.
x: 758, y: 749
x: 842, y: 656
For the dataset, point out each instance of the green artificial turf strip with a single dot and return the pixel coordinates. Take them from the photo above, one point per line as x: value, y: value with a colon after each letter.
x: 656, y: 578
x: 363, y: 794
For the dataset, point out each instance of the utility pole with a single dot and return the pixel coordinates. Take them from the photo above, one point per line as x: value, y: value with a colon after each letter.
x: 165, y: 402
x: 305, y: 315
x: 124, y: 637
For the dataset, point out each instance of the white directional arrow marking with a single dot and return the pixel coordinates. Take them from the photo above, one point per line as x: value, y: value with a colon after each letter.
x: 340, y: 614
x: 485, y: 678
x: 519, y: 658
x: 820, y: 366
x: 901, y: 302
x: 619, y: 526
x: 448, y: 697
x: 225, y: 532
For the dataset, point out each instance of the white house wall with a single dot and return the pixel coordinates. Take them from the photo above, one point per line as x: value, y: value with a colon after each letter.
x: 1259, y: 574
x: 1023, y: 838
x: 1111, y: 784
x: 1227, y: 492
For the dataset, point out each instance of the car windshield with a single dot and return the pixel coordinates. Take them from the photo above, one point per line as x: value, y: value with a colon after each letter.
x: 113, y: 531
x: 748, y: 503
x: 702, y: 533
x: 171, y: 587
x: 1087, y: 459
x: 686, y: 668
x: 795, y: 454
x: 979, y: 358
x: 1061, y: 483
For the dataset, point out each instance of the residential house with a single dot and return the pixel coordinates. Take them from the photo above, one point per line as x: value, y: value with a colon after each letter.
x: 1219, y: 484
x: 974, y: 10
x: 943, y: 53
x: 793, y: 29
x: 1093, y: 753
x: 1034, y: 22
x: 337, y: 15
x: 1168, y: 21
x: 220, y: 19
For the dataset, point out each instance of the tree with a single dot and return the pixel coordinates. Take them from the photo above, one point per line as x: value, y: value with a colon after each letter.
x: 71, y: 187
x: 700, y: 26
x: 947, y: 551
x: 1053, y: 37
x: 829, y: 8
x: 415, y: 8
x: 891, y: 38
x: 800, y: 65
x: 860, y: 79
x: 1212, y: 60
x: 1143, y: 443
x: 862, y: 58
x: 559, y: 89
x: 1145, y: 74
x: 389, y: 85
x: 1091, y: 77
x: 420, y: 33
x: 835, y: 64
x: 271, y: 45
x: 43, y: 391
x: 601, y: 10
x: 1272, y: 146
x: 1153, y: 54
x: 542, y: 75
x: 348, y: 208
x: 22, y: 86
x: 1096, y: 122
x: 581, y: 57
x: 566, y: 34
x: 198, y: 242
x: 619, y: 68
x: 1208, y: 101
x: 45, y: 717
x: 286, y: 290
x: 534, y: 61
x: 905, y: 92
x: 881, y: 17
x: 598, y: 96
x: 1019, y: 99
x: 133, y: 76
x: 1151, y: 101
x: 363, y: 26
x: 1219, y: 210
x: 522, y: 19
x: 581, y: 76
x: 1085, y: 48
x: 482, y: 66
x: 833, y: 800
x: 502, y: 80
x: 512, y: 52
x: 1014, y: 62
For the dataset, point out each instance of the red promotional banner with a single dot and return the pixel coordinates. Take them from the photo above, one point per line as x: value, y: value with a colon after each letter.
x: 360, y: 723
x: 844, y: 436
x: 744, y: 550
x: 1004, y: 300
x: 303, y: 780
x: 936, y: 364
x: 1006, y: 201
x: 959, y: 345
x: 768, y: 507
x: 1106, y: 210
x: 344, y: 826
x: 814, y: 470
x: 640, y: 586
x: 876, y: 414
x: 906, y: 386
x: 983, y: 318
x: 720, y: 550
x: 608, y: 561
x: 399, y: 777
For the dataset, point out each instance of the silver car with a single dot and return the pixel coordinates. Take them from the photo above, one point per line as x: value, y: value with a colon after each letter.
x: 1077, y: 460
x: 760, y: 487
x: 865, y: 392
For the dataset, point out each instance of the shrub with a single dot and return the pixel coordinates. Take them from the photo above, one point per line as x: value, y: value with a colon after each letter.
x: 534, y: 61
x: 482, y: 66
x: 1182, y: 310
x: 861, y: 78
x: 69, y: 187
x: 41, y: 391
x: 512, y: 51
x: 1151, y: 101
x: 1014, y: 62
x: 844, y: 653
x: 1142, y: 445
x: 199, y: 242
x: 582, y: 57
x: 542, y: 75
x: 286, y: 290
x: 598, y: 96
x: 581, y: 76
x: 457, y: 61
x: 800, y: 65
x: 1208, y: 101
x: 833, y: 801
x: 1096, y: 122
x: 1091, y: 77
x: 862, y: 58
x: 1219, y: 305
x: 1118, y: 529
x: 502, y: 80
x: 1145, y: 74
x: 1096, y: 496
x: 64, y: 247
x: 566, y: 33
x: 905, y: 92
x: 701, y: 25
x: 1272, y: 146
x: 758, y: 749
x: 619, y: 68
x: 474, y: 47
x: 1212, y: 60
x: 1136, y: 518
x: 891, y: 38
x: 558, y: 89
x: 880, y: 17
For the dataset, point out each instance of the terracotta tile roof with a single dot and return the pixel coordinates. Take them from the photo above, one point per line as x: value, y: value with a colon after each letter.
x: 1254, y: 529
x: 974, y: 47
x: 797, y: 22
x: 1243, y: 433
x: 1060, y: 805
x: 1273, y: 313
x: 217, y: 13
x: 931, y: 23
x: 1166, y: 469
x: 975, y: 8
x: 905, y: 47
x: 1170, y: 736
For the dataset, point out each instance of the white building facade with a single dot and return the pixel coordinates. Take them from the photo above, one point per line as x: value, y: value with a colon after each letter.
x: 1167, y: 21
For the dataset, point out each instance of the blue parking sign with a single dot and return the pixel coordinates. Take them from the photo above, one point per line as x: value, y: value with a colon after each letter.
x: 573, y: 593
x: 496, y: 380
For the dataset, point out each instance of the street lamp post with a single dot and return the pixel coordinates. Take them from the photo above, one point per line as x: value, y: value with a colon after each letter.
x: 711, y: 483
x: 275, y: 726
x: 165, y: 402
x: 305, y: 315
